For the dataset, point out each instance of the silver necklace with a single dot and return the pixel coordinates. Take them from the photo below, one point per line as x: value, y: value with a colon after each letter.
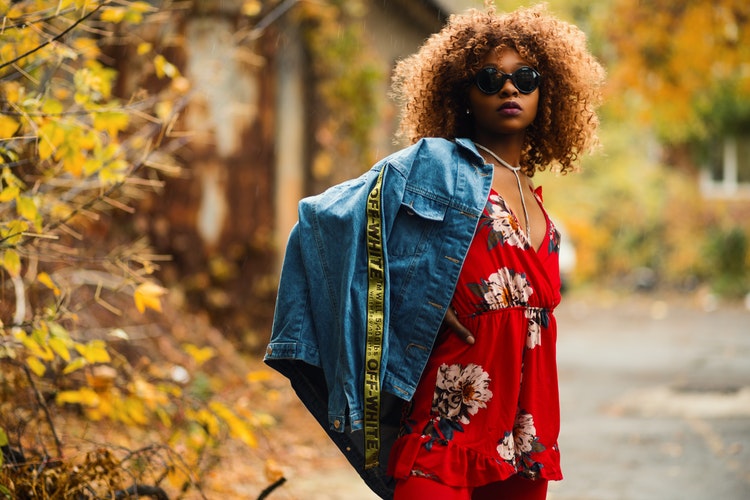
x: 518, y: 181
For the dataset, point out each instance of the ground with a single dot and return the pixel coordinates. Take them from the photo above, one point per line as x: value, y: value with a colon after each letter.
x: 655, y: 405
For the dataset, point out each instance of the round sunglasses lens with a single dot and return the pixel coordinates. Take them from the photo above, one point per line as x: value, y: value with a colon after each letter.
x: 525, y: 80
x: 488, y: 81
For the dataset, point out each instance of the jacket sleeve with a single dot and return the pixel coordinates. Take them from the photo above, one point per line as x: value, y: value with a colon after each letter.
x: 320, y: 316
x: 293, y: 315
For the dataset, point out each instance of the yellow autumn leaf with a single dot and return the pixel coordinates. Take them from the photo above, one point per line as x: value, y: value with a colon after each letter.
x: 148, y: 296
x: 178, y: 477
x: 114, y: 172
x: 13, y: 231
x: 238, y: 428
x: 142, y: 7
x: 104, y: 409
x: 83, y: 396
x: 51, y: 136
x: 87, y: 47
x: 36, y: 344
x: 8, y: 176
x: 9, y: 193
x: 12, y: 262
x: 95, y: 351
x: 259, y: 376
x: 148, y: 393
x: 26, y: 208
x: 91, y: 166
x: 143, y: 48
x: 136, y: 410
x: 206, y: 419
x: 74, y: 161
x: 75, y: 365
x: 164, y: 417
x: 13, y: 91
x: 164, y: 68
x: 52, y: 107
x: 60, y: 348
x: 46, y: 280
x: 57, y: 330
x: 8, y: 126
x: 114, y: 14
x: 134, y: 16
x: 164, y: 110
x: 36, y: 366
x: 200, y: 355
x: 88, y: 140
x: 111, y: 121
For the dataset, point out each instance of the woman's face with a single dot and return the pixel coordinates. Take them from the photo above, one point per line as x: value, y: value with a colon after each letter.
x: 508, y: 111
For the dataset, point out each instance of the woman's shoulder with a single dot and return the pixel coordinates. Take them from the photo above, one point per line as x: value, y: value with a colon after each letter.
x: 433, y: 150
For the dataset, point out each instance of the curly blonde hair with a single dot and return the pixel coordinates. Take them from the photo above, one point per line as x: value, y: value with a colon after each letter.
x: 431, y: 86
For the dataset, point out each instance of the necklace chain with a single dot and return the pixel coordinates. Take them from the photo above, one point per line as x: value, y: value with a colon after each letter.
x: 515, y: 171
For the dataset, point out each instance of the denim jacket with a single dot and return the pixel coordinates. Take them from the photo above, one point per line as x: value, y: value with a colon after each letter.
x: 433, y: 194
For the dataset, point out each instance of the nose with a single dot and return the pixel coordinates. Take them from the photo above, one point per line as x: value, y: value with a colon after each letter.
x: 508, y: 88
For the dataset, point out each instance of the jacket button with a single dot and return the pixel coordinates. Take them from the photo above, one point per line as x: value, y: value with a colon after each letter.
x: 336, y: 424
x: 269, y: 350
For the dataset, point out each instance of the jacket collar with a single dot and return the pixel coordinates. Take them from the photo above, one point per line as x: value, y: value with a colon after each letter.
x: 468, y: 145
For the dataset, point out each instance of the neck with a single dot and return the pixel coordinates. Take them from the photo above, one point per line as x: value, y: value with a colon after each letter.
x: 507, y: 147
x: 498, y: 158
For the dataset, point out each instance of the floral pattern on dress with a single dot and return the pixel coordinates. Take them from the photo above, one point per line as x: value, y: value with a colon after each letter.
x: 460, y: 392
x: 504, y: 226
x: 538, y: 319
x: 517, y: 447
x: 505, y: 288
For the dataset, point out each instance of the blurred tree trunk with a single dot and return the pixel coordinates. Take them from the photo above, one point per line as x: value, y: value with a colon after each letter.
x: 216, y: 217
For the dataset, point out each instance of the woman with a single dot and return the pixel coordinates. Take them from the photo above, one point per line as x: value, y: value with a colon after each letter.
x: 460, y: 239
x: 484, y: 420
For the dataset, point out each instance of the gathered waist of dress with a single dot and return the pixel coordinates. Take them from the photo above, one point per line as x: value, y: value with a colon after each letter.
x: 525, y: 309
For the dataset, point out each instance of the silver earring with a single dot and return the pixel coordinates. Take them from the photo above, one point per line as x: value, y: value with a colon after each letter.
x: 468, y: 111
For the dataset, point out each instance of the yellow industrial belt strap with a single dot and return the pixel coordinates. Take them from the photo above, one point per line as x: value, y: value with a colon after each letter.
x: 375, y: 324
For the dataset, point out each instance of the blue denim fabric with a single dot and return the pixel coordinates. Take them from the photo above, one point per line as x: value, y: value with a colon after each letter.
x: 432, y: 197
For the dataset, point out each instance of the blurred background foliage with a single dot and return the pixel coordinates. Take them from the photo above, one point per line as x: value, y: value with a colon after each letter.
x: 678, y: 87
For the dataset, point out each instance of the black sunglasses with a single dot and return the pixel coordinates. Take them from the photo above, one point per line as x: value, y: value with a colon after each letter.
x: 490, y: 80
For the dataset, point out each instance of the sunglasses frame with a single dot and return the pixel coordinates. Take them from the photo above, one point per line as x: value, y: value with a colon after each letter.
x: 506, y: 76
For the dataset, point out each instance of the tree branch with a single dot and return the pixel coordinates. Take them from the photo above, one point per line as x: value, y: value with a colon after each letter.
x: 53, y: 39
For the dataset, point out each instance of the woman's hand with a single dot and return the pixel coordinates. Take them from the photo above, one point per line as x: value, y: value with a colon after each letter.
x: 451, y: 321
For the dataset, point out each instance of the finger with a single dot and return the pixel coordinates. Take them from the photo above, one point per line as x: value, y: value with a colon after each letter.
x: 459, y: 329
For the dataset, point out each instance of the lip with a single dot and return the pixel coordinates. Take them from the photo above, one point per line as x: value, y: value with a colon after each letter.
x: 509, y: 106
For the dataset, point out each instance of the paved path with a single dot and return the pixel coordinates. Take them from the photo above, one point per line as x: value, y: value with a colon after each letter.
x: 656, y: 401
x: 655, y: 404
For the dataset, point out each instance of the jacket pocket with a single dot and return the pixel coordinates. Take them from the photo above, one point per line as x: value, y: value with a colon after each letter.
x: 418, y: 219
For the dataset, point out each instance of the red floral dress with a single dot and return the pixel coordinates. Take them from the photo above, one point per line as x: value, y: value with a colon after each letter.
x: 487, y: 411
